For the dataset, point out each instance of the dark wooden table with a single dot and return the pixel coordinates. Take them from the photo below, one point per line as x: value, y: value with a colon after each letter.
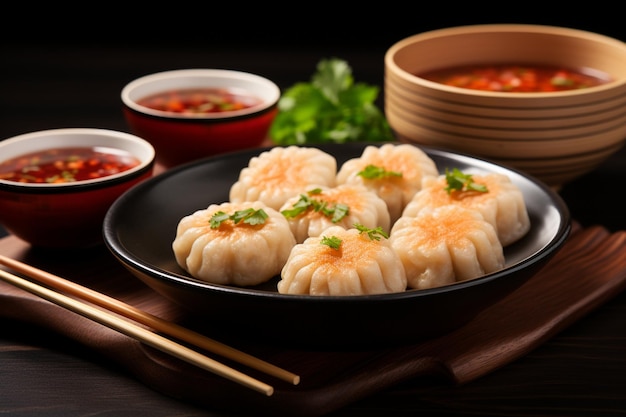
x: 581, y: 371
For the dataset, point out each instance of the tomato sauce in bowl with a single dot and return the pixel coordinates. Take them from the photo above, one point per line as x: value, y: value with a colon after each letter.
x: 62, y: 165
x: 515, y: 78
x: 200, y: 100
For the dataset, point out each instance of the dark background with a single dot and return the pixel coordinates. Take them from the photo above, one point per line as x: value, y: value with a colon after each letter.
x: 73, y: 63
x: 66, y: 68
x: 89, y: 55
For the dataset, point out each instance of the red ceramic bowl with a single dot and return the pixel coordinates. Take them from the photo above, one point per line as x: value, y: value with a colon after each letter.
x: 182, y: 137
x: 68, y: 214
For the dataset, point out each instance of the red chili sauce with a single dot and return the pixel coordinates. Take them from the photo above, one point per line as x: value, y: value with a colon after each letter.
x: 515, y: 78
x: 200, y: 100
x: 66, y: 165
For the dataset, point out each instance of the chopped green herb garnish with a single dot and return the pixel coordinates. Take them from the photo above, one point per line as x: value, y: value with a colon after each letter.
x: 332, y: 242
x: 336, y: 212
x: 218, y: 218
x: 373, y: 172
x: 458, y: 181
x: 373, y: 234
x: 302, y: 205
x: 248, y: 216
x: 339, y: 211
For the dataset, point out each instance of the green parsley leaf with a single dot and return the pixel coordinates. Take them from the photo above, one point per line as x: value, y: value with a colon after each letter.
x: 373, y: 172
x: 247, y: 216
x: 330, y: 108
x: 339, y: 211
x: 458, y: 181
x: 333, y: 242
x: 218, y: 218
x: 251, y: 216
x: 373, y: 234
x: 305, y: 203
x: 301, y: 206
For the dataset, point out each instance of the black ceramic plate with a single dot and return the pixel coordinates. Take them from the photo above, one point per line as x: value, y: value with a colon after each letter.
x: 140, y: 226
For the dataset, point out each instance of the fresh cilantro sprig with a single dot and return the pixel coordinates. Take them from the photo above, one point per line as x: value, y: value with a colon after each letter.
x: 373, y: 172
x: 374, y: 234
x: 332, y: 242
x: 331, y: 108
x: 249, y: 216
x: 336, y: 212
x: 458, y: 181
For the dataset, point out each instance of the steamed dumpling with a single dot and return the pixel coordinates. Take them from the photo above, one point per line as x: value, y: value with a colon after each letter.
x: 446, y: 244
x: 323, y: 207
x: 282, y: 172
x: 360, y: 265
x: 235, y: 253
x: 502, y: 205
x: 396, y: 190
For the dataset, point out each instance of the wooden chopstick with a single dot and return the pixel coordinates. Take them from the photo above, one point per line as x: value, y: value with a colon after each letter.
x: 156, y: 323
x: 137, y: 332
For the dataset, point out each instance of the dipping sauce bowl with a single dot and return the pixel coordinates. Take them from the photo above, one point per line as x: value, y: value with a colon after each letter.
x: 66, y: 205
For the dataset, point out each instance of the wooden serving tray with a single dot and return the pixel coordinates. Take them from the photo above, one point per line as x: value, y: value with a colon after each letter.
x: 586, y: 272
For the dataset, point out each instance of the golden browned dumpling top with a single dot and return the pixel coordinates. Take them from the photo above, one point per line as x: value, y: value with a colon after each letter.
x: 446, y: 244
x: 501, y: 204
x: 357, y: 265
x: 394, y: 172
x: 280, y: 173
x: 221, y: 244
x: 310, y: 213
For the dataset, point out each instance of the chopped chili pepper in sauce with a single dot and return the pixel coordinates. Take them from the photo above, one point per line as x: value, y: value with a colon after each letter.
x: 200, y: 100
x: 66, y: 165
x: 515, y: 78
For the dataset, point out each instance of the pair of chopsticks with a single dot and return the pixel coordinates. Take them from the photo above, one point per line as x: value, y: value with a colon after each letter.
x: 141, y: 333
